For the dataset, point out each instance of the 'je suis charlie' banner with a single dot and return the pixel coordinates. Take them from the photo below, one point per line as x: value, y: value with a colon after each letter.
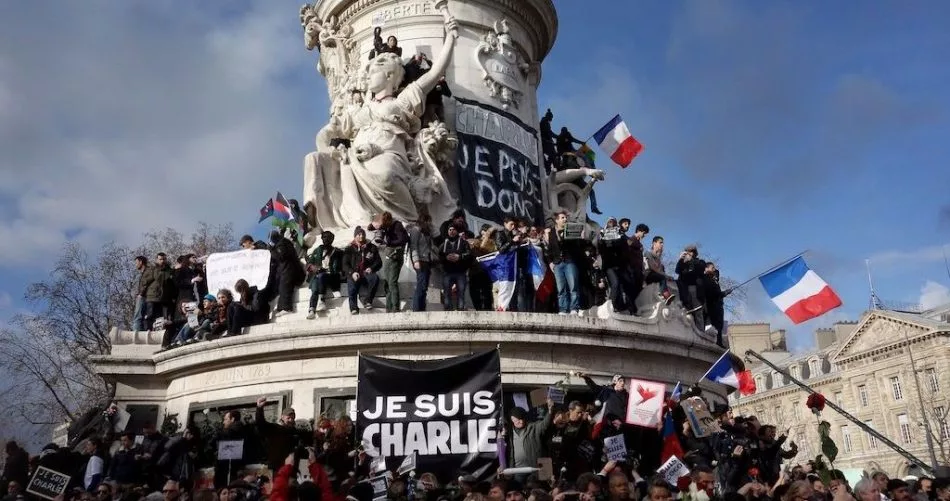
x: 498, y: 164
x: 445, y: 411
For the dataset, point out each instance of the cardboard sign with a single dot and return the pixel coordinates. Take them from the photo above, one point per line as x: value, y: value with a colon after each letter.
x: 545, y: 469
x: 230, y: 450
x: 47, y: 483
x: 575, y: 231
x: 408, y: 464
x: 645, y: 403
x: 616, y: 448
x: 611, y: 233
x: 380, y: 487
x: 672, y: 470
x: 700, y: 420
x: 556, y: 394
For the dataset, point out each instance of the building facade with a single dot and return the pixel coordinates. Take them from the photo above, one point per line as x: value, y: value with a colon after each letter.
x: 890, y: 370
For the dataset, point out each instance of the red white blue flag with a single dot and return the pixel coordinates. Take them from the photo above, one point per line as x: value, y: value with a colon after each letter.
x: 799, y: 292
x: 615, y: 139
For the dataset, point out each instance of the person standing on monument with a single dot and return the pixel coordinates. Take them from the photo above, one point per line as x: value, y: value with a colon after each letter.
x: 563, y: 254
x: 289, y: 272
x: 422, y: 256
x: 391, y: 238
x: 548, y: 147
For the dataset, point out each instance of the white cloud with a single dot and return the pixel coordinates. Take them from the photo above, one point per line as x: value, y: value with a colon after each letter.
x: 907, y: 258
x: 933, y: 294
x: 157, y: 116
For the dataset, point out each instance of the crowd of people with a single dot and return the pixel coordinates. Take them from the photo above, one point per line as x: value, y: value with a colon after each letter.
x: 290, y: 460
x: 617, y: 265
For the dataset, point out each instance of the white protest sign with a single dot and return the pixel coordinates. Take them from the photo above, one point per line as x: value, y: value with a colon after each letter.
x: 700, y: 420
x: 47, y: 483
x: 230, y: 450
x: 377, y: 464
x: 122, y: 418
x: 645, y: 403
x: 556, y: 394
x: 226, y: 268
x: 408, y: 464
x: 192, y: 309
x: 672, y: 470
x: 616, y: 448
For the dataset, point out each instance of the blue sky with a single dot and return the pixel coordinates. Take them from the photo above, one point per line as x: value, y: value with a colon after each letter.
x: 770, y: 128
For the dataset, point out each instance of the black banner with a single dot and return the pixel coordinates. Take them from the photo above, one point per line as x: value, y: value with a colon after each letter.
x: 446, y: 411
x: 498, y: 168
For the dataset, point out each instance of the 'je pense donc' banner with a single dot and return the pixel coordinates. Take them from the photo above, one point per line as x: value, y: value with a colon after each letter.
x: 444, y: 411
x: 497, y: 164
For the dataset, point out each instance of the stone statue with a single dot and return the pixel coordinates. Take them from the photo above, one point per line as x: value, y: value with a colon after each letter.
x: 374, y: 156
x: 503, y: 70
x: 565, y: 194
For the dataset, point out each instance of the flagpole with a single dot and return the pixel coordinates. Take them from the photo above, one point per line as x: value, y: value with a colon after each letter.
x: 783, y: 263
x: 713, y: 365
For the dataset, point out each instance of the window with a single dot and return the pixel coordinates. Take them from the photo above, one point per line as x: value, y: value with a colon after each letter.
x: 872, y: 440
x: 896, y: 388
x: 814, y: 368
x: 777, y: 380
x: 933, y: 379
x: 863, y: 395
x: 941, y: 414
x: 904, y: 424
x: 759, y: 386
x: 846, y: 437
x: 796, y: 410
x: 838, y: 398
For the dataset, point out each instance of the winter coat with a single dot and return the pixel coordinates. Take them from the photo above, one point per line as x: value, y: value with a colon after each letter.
x: 560, y: 250
x: 615, y: 401
x: 532, y: 438
x: 281, y: 490
x: 179, y: 461
x: 315, y: 260
x: 288, y: 264
x: 420, y: 245
x: 281, y: 440
x: 613, y: 253
x: 187, y: 289
x: 459, y: 246
x: 158, y: 284
x: 356, y: 259
x: 17, y: 468
x: 392, y: 240
x: 124, y: 468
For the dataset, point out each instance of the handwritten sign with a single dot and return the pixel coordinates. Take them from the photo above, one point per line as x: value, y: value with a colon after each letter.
x: 47, y: 483
x: 672, y: 470
x: 575, y: 231
x: 408, y: 464
x: 556, y: 394
x: 230, y: 450
x: 645, y: 404
x: 380, y: 487
x: 226, y: 268
x: 616, y: 448
x: 700, y: 420
x: 497, y: 164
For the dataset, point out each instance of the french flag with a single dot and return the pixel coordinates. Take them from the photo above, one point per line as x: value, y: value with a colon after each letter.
x: 671, y: 442
x: 502, y: 268
x: 282, y: 208
x: 615, y: 139
x: 541, y: 274
x: 730, y: 371
x: 799, y: 292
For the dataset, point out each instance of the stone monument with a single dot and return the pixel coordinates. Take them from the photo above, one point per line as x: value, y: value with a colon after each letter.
x: 381, y: 151
x: 376, y: 153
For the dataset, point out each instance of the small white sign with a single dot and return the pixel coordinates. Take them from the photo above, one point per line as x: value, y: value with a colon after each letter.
x: 672, y: 470
x: 226, y: 268
x: 408, y: 464
x: 645, y: 403
x: 616, y: 448
x: 230, y: 450
x: 521, y: 400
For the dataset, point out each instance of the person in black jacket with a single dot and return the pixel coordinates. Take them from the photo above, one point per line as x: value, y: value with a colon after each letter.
x: 180, y: 460
x: 125, y: 467
x: 153, y: 446
x: 715, y: 296
x: 227, y: 469
x: 289, y: 272
x: 250, y: 310
x: 281, y: 438
x: 391, y: 237
x: 690, y: 281
x: 17, y: 466
x: 455, y: 255
x: 190, y: 279
x: 613, y: 396
x: 563, y: 255
x: 391, y: 45
x: 615, y: 261
x: 361, y: 262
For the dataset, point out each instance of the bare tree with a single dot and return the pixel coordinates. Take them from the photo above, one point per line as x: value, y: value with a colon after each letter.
x: 736, y: 298
x: 936, y: 410
x: 45, y: 354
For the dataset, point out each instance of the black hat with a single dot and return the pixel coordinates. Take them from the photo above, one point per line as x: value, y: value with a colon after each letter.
x: 519, y: 413
x: 358, y: 230
x: 895, y: 483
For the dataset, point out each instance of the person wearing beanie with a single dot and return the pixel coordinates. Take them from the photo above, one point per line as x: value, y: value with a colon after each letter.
x: 361, y: 262
x: 527, y: 438
x: 325, y: 269
x: 282, y: 438
x: 614, y: 396
x: 205, y: 316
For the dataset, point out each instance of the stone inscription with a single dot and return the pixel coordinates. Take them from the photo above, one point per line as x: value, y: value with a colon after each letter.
x: 401, y: 10
x: 237, y: 374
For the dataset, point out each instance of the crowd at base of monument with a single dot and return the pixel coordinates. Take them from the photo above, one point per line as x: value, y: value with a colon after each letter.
x: 542, y: 450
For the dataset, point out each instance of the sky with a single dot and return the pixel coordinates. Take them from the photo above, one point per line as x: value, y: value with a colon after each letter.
x: 769, y: 128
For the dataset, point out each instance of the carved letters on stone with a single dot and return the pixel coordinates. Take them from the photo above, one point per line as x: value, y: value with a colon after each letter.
x: 503, y: 69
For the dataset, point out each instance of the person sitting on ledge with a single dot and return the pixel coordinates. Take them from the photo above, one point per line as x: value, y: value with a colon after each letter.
x: 325, y: 267
x: 361, y: 262
x: 208, y: 312
x: 250, y: 310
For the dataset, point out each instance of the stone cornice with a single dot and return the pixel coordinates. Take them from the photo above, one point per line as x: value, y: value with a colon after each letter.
x: 539, y: 17
x: 882, y: 349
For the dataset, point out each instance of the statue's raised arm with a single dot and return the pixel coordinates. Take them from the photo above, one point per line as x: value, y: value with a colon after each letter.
x: 429, y: 79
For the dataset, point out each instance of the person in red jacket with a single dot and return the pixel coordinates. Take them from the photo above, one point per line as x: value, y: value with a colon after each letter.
x: 316, y: 489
